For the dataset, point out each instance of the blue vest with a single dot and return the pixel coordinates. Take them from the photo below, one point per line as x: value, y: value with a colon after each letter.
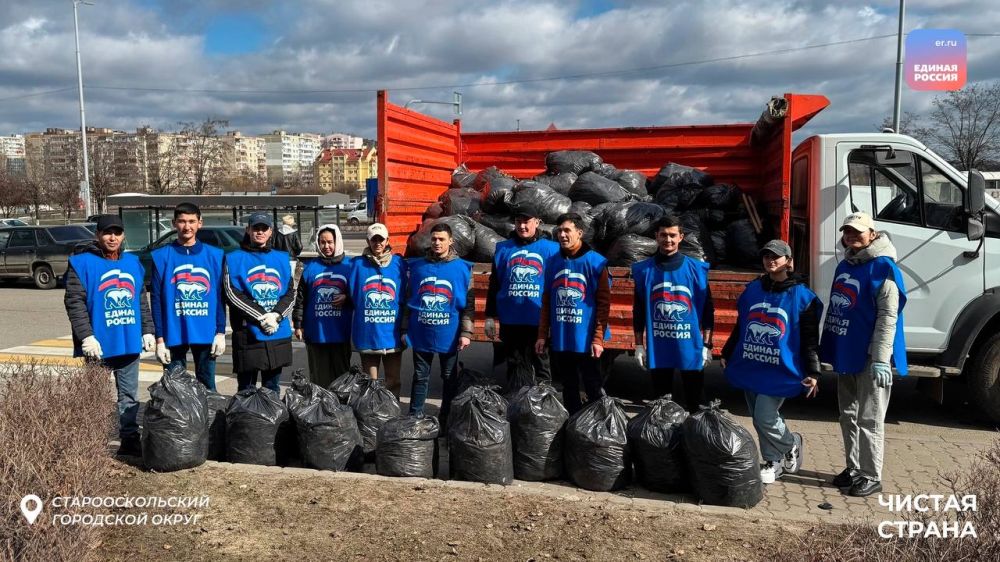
x: 520, y: 272
x: 377, y: 293
x: 113, y: 289
x: 438, y: 293
x: 674, y: 301
x: 850, y: 321
x: 190, y: 293
x: 572, y: 287
x: 767, y: 358
x: 322, y: 321
x: 266, y: 277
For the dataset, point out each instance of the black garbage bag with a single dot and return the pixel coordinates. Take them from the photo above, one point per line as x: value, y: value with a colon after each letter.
x: 327, y: 432
x: 485, y: 396
x: 722, y: 459
x: 479, y: 444
x: 463, y: 202
x: 434, y: 211
x: 561, y: 183
x: 677, y: 200
x: 472, y: 377
x: 462, y: 178
x: 629, y: 249
x: 596, y: 189
x: 463, y: 235
x: 741, y: 243
x: 217, y: 404
x: 501, y: 224
x: 520, y: 379
x: 721, y: 196
x: 493, y: 178
x: 719, y: 246
x: 373, y: 405
x: 498, y: 200
x: 656, y: 439
x: 634, y: 182
x: 345, y: 384
x: 547, y: 230
x: 408, y: 447
x: 677, y: 175
x: 252, y: 421
x: 696, y: 242
x: 575, y: 161
x: 641, y: 218
x: 537, y: 417
x: 486, y: 244
x: 596, y: 453
x: 175, y: 425
x: 583, y: 209
x: 538, y: 200
x: 610, y: 222
x: 713, y: 218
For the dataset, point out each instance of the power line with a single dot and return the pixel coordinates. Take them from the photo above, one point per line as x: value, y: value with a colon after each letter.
x: 34, y: 94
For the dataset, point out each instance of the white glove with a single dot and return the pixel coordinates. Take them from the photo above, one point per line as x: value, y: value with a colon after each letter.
x: 148, y: 342
x: 491, y: 328
x: 706, y: 356
x: 163, y: 353
x: 218, y: 345
x: 91, y: 347
x: 640, y: 356
x: 269, y: 322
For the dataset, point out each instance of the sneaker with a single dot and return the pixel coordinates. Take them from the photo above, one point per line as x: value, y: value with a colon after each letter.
x: 793, y: 460
x: 864, y: 487
x: 130, y: 446
x: 770, y: 471
x: 846, y: 478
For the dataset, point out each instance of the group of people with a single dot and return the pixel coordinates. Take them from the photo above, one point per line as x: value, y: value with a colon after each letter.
x: 548, y: 302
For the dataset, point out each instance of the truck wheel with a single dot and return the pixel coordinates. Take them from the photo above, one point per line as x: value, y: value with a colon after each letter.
x: 983, y: 373
x: 354, y: 222
x: 44, y: 279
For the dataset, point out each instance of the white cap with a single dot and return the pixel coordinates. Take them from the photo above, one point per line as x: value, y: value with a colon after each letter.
x: 378, y: 229
x: 860, y: 221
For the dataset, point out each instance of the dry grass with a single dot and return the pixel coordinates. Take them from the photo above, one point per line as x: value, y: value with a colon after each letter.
x: 54, y: 428
x: 862, y: 542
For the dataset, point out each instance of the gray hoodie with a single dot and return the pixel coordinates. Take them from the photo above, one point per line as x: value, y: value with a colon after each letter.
x: 886, y: 302
x: 303, y: 288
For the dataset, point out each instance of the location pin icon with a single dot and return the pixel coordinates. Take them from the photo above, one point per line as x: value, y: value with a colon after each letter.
x: 31, y: 506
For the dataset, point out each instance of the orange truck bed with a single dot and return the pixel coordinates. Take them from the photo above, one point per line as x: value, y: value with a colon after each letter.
x: 417, y: 154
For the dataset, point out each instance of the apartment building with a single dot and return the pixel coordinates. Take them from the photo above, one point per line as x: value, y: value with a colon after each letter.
x: 345, y: 167
x: 244, y: 155
x: 290, y: 157
x: 12, y: 154
x: 342, y: 140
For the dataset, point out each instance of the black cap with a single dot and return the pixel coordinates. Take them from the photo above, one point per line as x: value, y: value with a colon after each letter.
x: 104, y: 222
x: 260, y: 217
x: 777, y: 247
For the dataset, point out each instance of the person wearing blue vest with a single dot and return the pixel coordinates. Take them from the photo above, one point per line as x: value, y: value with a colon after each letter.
x: 260, y: 289
x: 323, y: 313
x: 772, y: 354
x: 377, y: 284
x: 673, y: 315
x: 109, y: 315
x: 514, y: 297
x: 576, y: 305
x: 863, y: 340
x: 437, y: 318
x: 186, y: 299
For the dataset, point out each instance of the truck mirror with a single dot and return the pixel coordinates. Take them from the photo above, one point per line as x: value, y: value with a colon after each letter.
x: 974, y: 228
x: 975, y: 193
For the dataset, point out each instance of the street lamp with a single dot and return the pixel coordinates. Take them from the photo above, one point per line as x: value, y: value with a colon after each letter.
x: 85, y: 183
x: 897, y: 101
x: 456, y: 103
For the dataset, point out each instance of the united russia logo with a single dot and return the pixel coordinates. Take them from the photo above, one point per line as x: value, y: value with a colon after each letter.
x: 118, y: 288
x: 671, y: 303
x: 192, y: 282
x: 265, y: 283
x: 766, y: 325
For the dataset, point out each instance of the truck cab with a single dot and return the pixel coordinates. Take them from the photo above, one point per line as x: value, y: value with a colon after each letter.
x: 945, y: 234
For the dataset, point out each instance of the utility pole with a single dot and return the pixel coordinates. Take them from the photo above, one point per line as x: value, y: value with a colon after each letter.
x: 897, y: 102
x: 85, y: 183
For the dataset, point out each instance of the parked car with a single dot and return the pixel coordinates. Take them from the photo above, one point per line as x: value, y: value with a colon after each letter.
x: 12, y: 222
x: 39, y: 253
x: 226, y: 237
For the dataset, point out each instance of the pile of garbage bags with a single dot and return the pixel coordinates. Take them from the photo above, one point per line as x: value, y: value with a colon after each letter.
x: 619, y: 208
x: 176, y: 423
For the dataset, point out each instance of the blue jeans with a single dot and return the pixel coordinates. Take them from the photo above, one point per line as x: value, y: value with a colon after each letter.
x: 204, y: 363
x: 126, y: 371
x: 775, y: 439
x: 421, y: 382
x: 269, y: 379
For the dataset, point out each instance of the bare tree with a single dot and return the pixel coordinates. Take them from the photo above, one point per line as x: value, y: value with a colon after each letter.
x: 33, y: 193
x: 63, y: 191
x: 965, y: 125
x: 909, y: 123
x: 11, y: 196
x: 102, y: 171
x: 202, y: 157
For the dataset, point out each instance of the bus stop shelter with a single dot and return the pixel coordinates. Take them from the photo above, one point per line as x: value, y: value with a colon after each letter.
x: 146, y: 217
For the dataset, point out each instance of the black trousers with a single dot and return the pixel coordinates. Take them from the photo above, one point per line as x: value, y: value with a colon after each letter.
x: 692, y: 381
x: 519, y: 345
x: 574, y: 368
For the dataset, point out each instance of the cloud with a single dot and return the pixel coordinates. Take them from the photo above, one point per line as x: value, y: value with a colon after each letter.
x: 577, y: 64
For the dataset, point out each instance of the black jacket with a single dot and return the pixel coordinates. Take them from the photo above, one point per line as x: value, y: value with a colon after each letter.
x: 288, y: 242
x: 75, y: 301
x: 250, y: 354
x: 808, y: 325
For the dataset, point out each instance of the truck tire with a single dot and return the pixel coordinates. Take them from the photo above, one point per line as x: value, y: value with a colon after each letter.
x: 353, y: 221
x: 43, y: 277
x: 983, y: 374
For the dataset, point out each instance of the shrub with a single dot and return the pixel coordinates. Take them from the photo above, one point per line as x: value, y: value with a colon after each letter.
x: 54, y: 429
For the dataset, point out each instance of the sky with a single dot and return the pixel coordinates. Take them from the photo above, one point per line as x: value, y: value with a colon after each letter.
x: 315, y: 65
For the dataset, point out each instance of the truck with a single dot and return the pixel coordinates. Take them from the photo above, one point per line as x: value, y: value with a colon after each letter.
x: 946, y: 229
